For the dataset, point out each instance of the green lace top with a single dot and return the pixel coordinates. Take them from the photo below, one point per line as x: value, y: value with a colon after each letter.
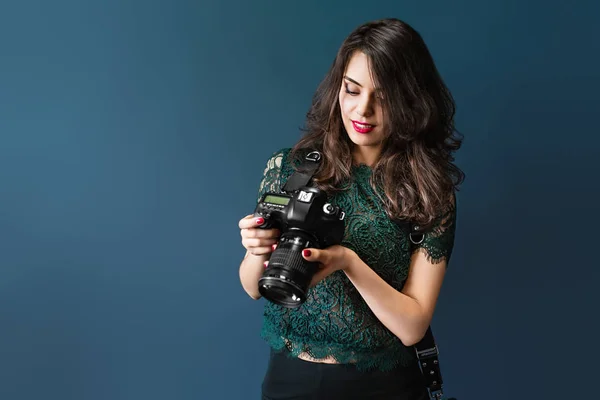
x: 335, y: 320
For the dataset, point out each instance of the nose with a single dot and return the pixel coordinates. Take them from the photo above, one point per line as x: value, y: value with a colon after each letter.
x: 364, y: 108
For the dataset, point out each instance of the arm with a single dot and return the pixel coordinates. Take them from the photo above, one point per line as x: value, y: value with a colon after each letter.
x: 405, y: 313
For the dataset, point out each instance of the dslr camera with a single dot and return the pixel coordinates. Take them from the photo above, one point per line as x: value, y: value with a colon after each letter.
x: 305, y: 219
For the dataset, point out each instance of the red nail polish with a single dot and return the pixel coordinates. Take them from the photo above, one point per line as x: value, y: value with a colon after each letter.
x: 260, y: 221
x: 273, y: 247
x: 306, y: 253
x: 266, y: 264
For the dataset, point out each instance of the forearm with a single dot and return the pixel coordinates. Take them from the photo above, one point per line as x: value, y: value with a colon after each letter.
x: 251, y: 270
x: 401, y: 314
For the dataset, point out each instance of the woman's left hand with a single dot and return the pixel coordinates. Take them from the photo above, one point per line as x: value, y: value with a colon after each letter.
x: 331, y: 259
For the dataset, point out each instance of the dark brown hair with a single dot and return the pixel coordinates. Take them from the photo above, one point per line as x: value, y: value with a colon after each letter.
x: 415, y: 171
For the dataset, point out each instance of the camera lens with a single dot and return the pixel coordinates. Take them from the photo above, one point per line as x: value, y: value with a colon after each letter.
x: 286, y: 280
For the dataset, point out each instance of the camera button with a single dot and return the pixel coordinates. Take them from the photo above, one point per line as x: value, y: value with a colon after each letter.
x: 305, y: 197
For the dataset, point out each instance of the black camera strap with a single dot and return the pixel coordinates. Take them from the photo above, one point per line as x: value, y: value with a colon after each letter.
x: 426, y: 350
x: 305, y: 172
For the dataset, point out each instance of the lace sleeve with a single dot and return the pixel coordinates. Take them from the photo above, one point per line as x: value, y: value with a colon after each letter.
x: 271, y: 178
x: 439, y: 239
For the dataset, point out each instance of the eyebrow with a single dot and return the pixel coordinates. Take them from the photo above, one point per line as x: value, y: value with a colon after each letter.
x: 356, y: 83
x: 352, y: 80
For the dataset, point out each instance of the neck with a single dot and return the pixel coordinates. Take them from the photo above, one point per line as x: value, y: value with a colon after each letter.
x: 367, y: 155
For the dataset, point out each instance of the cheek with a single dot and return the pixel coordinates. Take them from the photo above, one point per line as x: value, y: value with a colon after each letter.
x: 345, y: 104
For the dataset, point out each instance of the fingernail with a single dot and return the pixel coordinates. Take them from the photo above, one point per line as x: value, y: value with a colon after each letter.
x: 273, y: 247
x: 306, y: 253
x: 260, y: 221
x: 266, y: 264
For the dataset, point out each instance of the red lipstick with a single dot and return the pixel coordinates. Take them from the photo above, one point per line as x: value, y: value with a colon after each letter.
x: 362, y: 128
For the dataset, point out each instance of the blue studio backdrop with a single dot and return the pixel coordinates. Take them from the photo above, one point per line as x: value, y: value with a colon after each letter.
x: 133, y: 135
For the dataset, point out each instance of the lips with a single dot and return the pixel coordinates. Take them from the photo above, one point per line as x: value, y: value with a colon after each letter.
x: 362, y: 128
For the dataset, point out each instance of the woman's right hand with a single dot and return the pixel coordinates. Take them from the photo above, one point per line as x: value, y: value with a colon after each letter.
x: 257, y: 241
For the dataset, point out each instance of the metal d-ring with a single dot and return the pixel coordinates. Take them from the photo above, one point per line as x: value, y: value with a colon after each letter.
x: 313, y: 156
x: 412, y: 239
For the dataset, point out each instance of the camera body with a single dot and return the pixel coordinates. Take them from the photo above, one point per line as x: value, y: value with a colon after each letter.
x: 305, y: 219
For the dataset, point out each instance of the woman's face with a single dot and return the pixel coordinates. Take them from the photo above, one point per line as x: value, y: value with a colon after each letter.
x: 360, y: 105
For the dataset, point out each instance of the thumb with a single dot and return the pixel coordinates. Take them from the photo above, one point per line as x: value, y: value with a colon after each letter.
x: 315, y: 255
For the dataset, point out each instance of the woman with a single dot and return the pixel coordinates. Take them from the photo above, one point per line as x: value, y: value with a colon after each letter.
x: 383, y: 120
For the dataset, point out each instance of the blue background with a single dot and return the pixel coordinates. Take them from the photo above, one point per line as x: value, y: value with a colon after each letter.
x: 133, y: 135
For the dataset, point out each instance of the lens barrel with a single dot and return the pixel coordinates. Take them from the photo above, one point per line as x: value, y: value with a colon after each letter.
x: 288, y: 275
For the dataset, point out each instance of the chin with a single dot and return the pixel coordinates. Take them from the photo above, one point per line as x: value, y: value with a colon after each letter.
x: 364, y: 140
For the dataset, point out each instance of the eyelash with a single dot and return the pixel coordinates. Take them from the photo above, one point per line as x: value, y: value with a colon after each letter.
x: 379, y: 98
x: 349, y: 92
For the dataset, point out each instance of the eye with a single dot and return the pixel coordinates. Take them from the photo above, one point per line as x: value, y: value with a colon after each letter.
x: 349, y: 91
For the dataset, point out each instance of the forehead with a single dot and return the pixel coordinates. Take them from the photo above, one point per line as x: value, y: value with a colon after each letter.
x: 359, y: 70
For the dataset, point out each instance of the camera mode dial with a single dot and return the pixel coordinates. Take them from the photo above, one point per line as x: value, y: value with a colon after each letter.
x: 328, y: 209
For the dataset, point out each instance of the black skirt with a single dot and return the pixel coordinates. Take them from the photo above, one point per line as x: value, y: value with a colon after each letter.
x: 296, y: 379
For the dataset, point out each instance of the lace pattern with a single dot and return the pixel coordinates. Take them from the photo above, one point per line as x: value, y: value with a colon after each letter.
x: 335, y: 321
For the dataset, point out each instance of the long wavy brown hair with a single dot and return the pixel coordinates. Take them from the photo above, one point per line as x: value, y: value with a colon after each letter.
x: 416, y: 169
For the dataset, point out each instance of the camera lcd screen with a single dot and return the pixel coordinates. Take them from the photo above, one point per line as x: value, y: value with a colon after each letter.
x: 277, y: 200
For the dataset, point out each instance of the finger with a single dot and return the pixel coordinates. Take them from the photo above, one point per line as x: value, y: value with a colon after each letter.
x: 260, y: 251
x: 250, y: 222
x: 260, y: 233
x: 264, y: 249
x: 316, y: 255
x: 257, y: 242
x: 241, y: 222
